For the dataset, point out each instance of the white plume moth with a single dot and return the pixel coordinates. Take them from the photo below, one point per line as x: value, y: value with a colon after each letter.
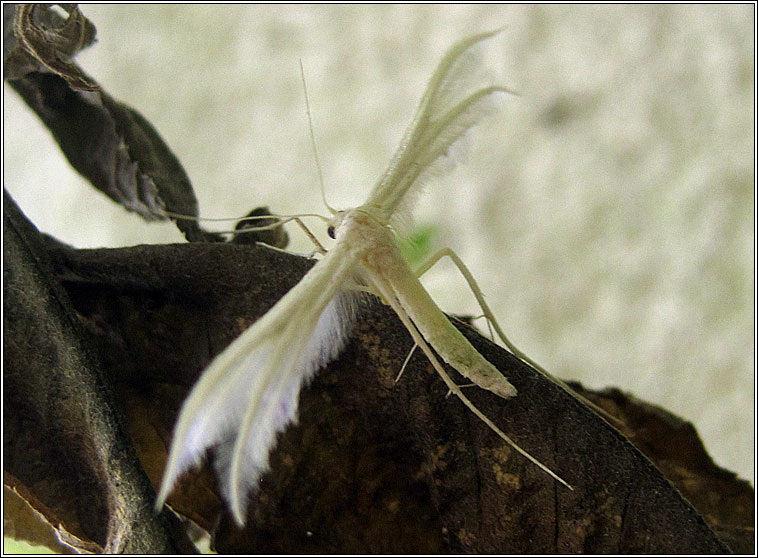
x: 249, y: 393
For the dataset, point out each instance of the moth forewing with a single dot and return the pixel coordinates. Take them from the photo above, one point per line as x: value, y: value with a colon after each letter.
x: 257, y: 379
x: 297, y: 356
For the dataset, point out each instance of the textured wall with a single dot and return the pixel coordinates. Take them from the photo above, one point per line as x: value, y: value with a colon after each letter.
x: 607, y: 211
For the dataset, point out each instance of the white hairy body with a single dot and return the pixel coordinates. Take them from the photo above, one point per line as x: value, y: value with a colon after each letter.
x: 249, y: 393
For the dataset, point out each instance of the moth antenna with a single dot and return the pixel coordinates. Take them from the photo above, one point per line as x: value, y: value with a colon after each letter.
x: 281, y: 218
x: 313, y: 141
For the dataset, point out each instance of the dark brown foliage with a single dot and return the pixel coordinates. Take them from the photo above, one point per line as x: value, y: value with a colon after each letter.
x: 372, y: 466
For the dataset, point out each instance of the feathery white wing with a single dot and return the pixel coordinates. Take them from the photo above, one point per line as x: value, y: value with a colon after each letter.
x: 458, y: 96
x: 249, y: 393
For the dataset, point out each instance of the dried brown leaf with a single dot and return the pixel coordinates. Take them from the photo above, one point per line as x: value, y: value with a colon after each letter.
x: 64, y: 448
x: 44, y: 40
x: 109, y: 143
x: 373, y: 466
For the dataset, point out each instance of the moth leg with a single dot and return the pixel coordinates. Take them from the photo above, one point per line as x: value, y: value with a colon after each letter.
x: 319, y: 247
x: 406, y: 361
x: 450, y: 392
x: 474, y: 286
x: 488, y: 314
x: 389, y: 295
x: 490, y: 332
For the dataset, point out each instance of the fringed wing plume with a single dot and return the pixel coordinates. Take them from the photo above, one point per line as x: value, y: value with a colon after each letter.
x: 458, y: 96
x: 249, y: 393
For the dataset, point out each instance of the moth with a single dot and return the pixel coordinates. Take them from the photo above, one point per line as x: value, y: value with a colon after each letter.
x: 249, y: 392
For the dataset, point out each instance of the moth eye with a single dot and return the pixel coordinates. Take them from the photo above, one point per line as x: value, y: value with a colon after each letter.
x: 330, y: 231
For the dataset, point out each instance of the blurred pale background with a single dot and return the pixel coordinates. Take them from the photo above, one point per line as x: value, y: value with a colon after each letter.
x: 607, y: 211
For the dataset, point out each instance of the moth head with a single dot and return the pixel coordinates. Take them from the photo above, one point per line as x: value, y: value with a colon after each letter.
x: 333, y: 225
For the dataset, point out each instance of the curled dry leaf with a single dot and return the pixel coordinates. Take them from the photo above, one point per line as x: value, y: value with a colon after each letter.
x: 44, y: 40
x: 109, y: 143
